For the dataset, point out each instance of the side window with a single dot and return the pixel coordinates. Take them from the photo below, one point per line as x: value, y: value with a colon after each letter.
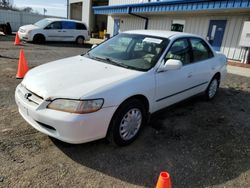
x: 80, y: 26
x: 201, y: 50
x: 68, y: 25
x: 179, y: 50
x: 54, y: 25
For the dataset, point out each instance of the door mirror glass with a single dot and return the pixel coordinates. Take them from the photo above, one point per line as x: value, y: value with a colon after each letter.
x: 171, y: 64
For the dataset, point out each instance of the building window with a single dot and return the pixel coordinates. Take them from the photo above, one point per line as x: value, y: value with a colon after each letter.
x: 178, y: 25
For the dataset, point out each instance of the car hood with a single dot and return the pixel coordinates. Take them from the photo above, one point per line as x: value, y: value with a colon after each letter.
x: 74, y: 77
x: 29, y: 27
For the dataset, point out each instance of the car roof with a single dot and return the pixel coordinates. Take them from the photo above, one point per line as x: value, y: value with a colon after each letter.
x: 62, y: 19
x: 161, y: 33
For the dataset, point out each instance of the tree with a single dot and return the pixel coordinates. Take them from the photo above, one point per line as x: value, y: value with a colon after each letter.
x: 4, y: 3
x: 27, y: 9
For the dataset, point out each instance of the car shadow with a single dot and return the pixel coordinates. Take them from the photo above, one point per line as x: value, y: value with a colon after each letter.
x: 66, y: 44
x: 200, y: 143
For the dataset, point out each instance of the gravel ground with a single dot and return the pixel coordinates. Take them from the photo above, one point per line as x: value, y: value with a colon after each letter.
x: 201, y: 144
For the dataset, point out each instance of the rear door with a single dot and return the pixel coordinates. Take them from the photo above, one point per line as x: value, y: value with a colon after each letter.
x: 203, y: 63
x: 53, y: 31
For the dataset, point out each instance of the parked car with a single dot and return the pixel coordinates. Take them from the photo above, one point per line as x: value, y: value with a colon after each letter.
x: 54, y: 29
x: 112, y: 90
x: 6, y: 28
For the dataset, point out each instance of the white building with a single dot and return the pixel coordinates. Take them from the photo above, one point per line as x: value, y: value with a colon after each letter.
x: 219, y: 21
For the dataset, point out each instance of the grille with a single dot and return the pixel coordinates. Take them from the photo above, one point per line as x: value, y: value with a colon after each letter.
x: 30, y: 96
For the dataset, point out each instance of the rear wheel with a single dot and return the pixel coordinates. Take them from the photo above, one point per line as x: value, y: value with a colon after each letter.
x: 39, y: 39
x: 127, y: 122
x: 80, y: 40
x: 212, y: 88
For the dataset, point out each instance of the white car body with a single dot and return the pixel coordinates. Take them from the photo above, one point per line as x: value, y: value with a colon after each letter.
x: 28, y: 32
x: 82, y: 78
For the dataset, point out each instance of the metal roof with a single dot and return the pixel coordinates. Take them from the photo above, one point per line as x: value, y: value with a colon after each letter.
x: 172, y: 6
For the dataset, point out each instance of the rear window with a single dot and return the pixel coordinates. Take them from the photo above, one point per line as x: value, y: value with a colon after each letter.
x: 68, y: 25
x: 80, y: 26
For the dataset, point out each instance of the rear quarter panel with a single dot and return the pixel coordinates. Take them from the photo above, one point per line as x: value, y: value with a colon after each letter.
x: 220, y: 64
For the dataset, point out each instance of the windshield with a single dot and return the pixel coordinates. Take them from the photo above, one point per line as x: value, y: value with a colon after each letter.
x: 42, y: 23
x: 133, y: 51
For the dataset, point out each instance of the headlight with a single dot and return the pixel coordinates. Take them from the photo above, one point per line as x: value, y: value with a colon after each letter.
x: 76, y: 106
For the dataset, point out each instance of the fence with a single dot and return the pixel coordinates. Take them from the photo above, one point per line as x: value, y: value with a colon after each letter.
x: 17, y: 19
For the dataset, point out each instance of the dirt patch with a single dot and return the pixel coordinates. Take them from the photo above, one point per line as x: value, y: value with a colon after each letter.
x: 238, y: 64
x: 201, y: 144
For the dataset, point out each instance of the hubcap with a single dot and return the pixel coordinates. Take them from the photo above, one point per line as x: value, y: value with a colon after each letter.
x: 80, y: 40
x: 130, y: 124
x: 213, y: 88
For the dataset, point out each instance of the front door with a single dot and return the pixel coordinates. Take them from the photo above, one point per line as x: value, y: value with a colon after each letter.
x: 175, y: 85
x: 116, y: 26
x: 54, y: 32
x: 216, y: 32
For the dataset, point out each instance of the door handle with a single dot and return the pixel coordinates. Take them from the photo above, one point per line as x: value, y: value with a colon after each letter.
x: 190, y: 75
x: 59, y: 31
x: 63, y: 31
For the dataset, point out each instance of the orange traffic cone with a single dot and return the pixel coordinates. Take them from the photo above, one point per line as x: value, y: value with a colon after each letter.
x: 164, y: 181
x: 17, y: 40
x: 22, y: 65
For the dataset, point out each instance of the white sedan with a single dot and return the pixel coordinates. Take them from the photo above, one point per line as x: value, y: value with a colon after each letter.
x: 112, y: 90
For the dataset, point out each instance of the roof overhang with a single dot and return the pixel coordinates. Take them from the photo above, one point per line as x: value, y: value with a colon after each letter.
x: 173, y: 6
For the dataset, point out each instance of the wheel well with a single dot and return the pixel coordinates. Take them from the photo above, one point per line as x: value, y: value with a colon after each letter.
x: 39, y: 34
x: 217, y: 75
x: 80, y: 36
x: 141, y: 98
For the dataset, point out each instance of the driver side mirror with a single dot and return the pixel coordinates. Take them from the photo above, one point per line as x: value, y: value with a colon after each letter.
x: 48, y: 27
x: 170, y: 64
x: 93, y: 46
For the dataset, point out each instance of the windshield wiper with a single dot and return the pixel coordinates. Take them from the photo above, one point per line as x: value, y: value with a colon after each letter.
x: 113, y: 62
x: 107, y: 59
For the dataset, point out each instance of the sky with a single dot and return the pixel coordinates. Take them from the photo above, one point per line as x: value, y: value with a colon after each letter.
x: 53, y: 7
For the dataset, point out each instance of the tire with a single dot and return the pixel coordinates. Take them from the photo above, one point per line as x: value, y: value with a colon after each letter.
x: 80, y: 40
x: 39, y: 39
x: 212, y: 88
x: 123, y: 129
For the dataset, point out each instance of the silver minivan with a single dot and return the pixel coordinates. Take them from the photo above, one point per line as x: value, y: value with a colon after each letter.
x: 54, y: 29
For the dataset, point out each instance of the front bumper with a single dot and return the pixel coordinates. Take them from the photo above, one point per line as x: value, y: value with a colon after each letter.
x: 24, y: 36
x: 67, y: 127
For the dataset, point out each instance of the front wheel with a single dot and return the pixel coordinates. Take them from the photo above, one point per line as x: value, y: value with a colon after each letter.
x: 212, y: 88
x: 127, y: 123
x: 39, y: 39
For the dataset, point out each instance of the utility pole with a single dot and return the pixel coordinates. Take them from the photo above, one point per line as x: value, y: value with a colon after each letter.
x: 67, y: 9
x: 44, y: 11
